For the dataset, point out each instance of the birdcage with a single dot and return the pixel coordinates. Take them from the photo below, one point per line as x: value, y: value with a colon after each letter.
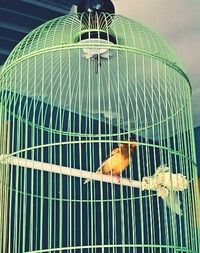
x: 72, y: 91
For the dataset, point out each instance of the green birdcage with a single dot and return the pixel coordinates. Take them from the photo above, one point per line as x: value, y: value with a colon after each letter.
x: 73, y: 90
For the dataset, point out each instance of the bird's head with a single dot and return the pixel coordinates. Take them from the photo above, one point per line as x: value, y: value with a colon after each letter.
x: 133, y: 144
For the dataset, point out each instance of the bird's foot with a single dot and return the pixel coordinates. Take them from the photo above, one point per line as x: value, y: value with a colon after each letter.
x: 118, y: 179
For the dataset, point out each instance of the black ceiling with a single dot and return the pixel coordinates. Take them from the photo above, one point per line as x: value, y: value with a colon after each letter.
x: 19, y: 17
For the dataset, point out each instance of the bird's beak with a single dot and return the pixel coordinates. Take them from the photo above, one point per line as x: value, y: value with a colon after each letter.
x: 136, y: 144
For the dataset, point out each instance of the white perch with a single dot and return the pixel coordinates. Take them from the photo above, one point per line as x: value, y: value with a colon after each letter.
x: 163, y: 181
x: 32, y: 164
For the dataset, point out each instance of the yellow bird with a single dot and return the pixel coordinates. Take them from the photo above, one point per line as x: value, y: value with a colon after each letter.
x: 118, y: 161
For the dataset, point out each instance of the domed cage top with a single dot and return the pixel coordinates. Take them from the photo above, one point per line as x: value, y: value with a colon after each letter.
x: 72, y: 91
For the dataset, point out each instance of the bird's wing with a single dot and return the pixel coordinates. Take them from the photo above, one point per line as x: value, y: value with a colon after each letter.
x: 115, y: 151
x: 99, y: 170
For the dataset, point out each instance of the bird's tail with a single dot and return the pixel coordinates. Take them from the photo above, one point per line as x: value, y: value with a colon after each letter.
x: 88, y: 179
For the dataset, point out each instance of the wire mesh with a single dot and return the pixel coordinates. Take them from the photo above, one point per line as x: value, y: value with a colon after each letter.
x: 69, y: 102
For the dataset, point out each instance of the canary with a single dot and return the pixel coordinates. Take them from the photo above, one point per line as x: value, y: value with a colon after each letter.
x: 118, y: 160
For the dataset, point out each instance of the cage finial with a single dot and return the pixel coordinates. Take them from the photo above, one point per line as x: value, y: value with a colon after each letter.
x: 96, y: 14
x: 96, y: 6
x: 96, y: 17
